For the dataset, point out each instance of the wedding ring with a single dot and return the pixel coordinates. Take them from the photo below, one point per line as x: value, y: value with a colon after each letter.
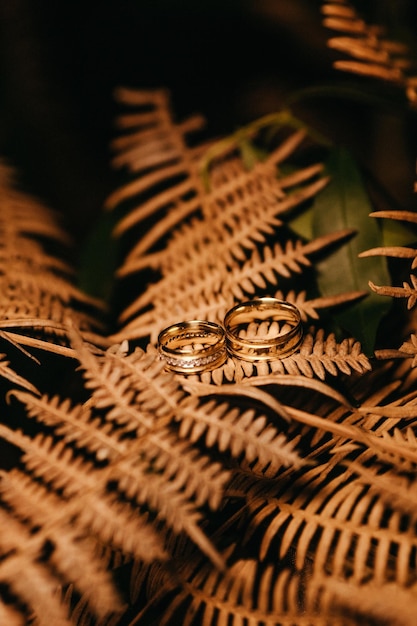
x: 263, y: 329
x: 191, y: 347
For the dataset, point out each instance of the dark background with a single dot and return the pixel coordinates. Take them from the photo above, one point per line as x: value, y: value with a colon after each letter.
x: 232, y: 60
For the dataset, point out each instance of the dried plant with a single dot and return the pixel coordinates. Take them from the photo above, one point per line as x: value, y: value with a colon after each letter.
x: 256, y: 493
x: 408, y: 291
x: 368, y: 50
x: 38, y: 287
x: 220, y: 251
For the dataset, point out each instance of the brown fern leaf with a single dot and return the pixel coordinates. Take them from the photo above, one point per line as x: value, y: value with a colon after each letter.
x: 9, y: 615
x: 87, y: 487
x: 157, y: 148
x: 187, y: 197
x: 396, y: 489
x: 309, y: 308
x: 13, y: 377
x: 409, y: 348
x: 20, y: 215
x: 247, y: 205
x: 388, y: 603
x: 136, y: 391
x: 318, y: 356
x: 408, y: 290
x: 38, y: 290
x: 271, y: 595
x: 193, y: 472
x: 71, y: 556
x: 398, y: 252
x: 379, y: 445
x: 78, y: 611
x: 309, y: 514
x: 346, y: 424
x: 405, y: 216
x: 25, y: 575
x: 85, y: 497
x: 244, y: 434
x: 232, y: 281
x: 218, y: 252
x: 158, y: 472
x: 155, y: 399
x: 217, y: 288
x: 347, y: 536
x: 249, y: 435
x: 244, y: 204
x: 371, y: 54
x: 75, y: 424
x: 400, y: 449
x: 235, y: 222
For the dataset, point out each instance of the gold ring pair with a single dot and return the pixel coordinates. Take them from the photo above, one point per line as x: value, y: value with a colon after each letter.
x: 262, y: 329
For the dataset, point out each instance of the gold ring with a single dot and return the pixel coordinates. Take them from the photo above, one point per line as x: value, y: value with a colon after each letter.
x: 191, y: 347
x: 263, y: 329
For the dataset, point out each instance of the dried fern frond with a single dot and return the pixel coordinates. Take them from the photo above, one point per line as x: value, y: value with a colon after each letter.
x: 408, y: 291
x: 230, y: 245
x: 219, y: 283
x: 98, y: 513
x: 161, y: 393
x: 248, y: 202
x: 369, y: 52
x: 309, y: 307
x: 20, y: 216
x: 38, y: 288
x: 395, y: 488
x: 332, y: 520
x: 312, y: 511
x: 238, y: 433
x: 72, y: 555
x: 155, y: 147
x: 388, y: 603
x: 130, y: 455
x: 271, y: 595
x: 319, y: 355
x: 10, y: 616
x: 8, y: 373
x: 136, y: 478
x: 410, y: 349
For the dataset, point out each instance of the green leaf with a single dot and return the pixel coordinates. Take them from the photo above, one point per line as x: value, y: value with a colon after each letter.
x: 98, y: 259
x: 386, y: 97
x: 344, y: 203
x: 397, y: 234
x: 250, y: 153
x: 302, y: 224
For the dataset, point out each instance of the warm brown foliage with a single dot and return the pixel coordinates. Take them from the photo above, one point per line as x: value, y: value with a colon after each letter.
x: 270, y: 493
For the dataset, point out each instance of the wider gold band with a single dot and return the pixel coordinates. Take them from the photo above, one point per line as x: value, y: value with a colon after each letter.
x: 263, y: 329
x: 191, y: 347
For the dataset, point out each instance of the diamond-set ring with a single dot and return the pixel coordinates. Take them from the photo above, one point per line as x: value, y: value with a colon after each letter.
x: 194, y: 346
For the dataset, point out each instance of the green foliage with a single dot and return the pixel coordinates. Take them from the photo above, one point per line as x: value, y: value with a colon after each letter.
x: 344, y: 203
x: 98, y: 259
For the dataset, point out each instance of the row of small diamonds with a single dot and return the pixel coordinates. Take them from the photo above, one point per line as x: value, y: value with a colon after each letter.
x: 194, y: 363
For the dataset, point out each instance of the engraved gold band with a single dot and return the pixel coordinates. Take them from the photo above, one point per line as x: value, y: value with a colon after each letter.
x: 191, y: 347
x: 263, y: 329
